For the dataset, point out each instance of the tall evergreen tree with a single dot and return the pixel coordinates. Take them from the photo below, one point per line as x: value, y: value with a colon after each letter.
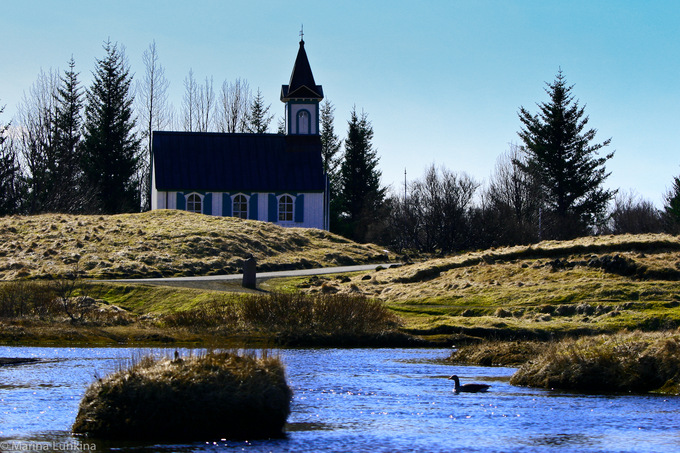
x: 68, y: 192
x: 672, y: 207
x: 330, y: 143
x: 330, y: 153
x: 361, y: 196
x: 12, y: 184
x: 259, y: 116
x: 110, y: 147
x: 562, y: 158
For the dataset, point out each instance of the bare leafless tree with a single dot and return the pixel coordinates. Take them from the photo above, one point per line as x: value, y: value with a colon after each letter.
x: 435, y: 215
x: 36, y: 113
x: 233, y: 106
x: 205, y: 105
x: 154, y: 114
x: 632, y: 214
x: 189, y: 113
x: 514, y: 198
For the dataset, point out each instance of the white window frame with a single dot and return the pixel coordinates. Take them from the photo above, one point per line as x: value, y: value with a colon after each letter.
x: 192, y: 196
x: 285, y: 213
x: 233, y: 205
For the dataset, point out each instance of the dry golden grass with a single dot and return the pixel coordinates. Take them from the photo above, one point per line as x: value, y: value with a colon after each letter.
x: 218, y: 394
x: 164, y: 243
x: 625, y: 362
x: 585, y: 285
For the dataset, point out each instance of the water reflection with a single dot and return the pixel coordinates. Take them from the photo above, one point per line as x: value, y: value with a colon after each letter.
x: 362, y: 400
x: 562, y: 439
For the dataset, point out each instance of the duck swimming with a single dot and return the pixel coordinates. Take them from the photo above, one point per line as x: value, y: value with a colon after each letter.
x: 468, y: 388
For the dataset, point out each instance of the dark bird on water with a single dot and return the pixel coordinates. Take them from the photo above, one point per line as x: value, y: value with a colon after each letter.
x: 468, y: 388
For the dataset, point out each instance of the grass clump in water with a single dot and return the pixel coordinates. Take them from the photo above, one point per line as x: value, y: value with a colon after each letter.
x: 215, y: 395
x: 498, y: 353
x: 627, y: 362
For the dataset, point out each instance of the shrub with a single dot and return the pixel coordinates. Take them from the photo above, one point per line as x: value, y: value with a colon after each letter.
x: 299, y: 313
x: 23, y: 298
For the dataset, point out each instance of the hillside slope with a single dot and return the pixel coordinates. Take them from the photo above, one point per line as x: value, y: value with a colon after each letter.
x: 164, y: 243
x: 603, y: 283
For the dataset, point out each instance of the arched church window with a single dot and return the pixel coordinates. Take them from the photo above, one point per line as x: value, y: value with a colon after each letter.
x: 303, y: 122
x: 240, y: 207
x: 286, y: 208
x: 195, y: 203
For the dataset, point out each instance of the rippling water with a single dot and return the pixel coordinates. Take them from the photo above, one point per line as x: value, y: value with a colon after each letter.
x: 373, y: 400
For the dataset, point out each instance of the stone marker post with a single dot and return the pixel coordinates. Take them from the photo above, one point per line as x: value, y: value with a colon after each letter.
x: 249, y: 273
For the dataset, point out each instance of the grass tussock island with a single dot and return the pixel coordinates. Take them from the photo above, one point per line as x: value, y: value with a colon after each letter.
x: 215, y: 395
x: 162, y: 244
x: 626, y: 362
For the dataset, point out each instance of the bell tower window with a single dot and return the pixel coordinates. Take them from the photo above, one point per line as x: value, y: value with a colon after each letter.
x: 303, y: 122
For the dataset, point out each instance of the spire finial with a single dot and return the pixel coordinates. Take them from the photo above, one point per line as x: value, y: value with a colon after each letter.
x: 302, y: 33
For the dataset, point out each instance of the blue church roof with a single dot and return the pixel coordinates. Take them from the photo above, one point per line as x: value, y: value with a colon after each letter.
x: 216, y: 162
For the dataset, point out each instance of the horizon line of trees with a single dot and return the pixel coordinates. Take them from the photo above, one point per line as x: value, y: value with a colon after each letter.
x: 548, y: 187
x: 88, y: 150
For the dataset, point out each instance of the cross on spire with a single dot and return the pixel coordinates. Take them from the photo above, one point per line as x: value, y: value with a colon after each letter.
x: 302, y: 33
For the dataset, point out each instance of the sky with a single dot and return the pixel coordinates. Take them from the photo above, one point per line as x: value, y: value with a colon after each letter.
x: 441, y: 81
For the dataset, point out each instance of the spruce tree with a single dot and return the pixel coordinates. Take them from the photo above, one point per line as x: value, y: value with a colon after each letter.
x: 672, y: 207
x: 259, y: 117
x: 69, y: 193
x: 330, y: 143
x: 361, y: 196
x: 330, y: 150
x: 12, y: 184
x: 110, y: 151
x: 560, y: 155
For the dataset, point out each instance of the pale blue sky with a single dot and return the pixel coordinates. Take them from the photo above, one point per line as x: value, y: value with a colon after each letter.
x: 441, y: 81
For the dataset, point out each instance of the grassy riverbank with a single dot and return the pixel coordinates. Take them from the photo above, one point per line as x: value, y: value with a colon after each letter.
x: 107, y: 314
x: 589, y: 286
x: 548, y: 290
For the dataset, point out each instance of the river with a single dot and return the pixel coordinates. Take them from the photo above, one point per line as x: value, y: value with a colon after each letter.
x: 355, y: 400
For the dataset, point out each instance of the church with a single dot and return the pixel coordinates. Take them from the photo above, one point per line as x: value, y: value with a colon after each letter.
x: 276, y: 178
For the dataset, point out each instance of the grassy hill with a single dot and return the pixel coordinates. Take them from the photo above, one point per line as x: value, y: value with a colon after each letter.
x: 591, y: 285
x: 164, y: 243
x: 588, y: 285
